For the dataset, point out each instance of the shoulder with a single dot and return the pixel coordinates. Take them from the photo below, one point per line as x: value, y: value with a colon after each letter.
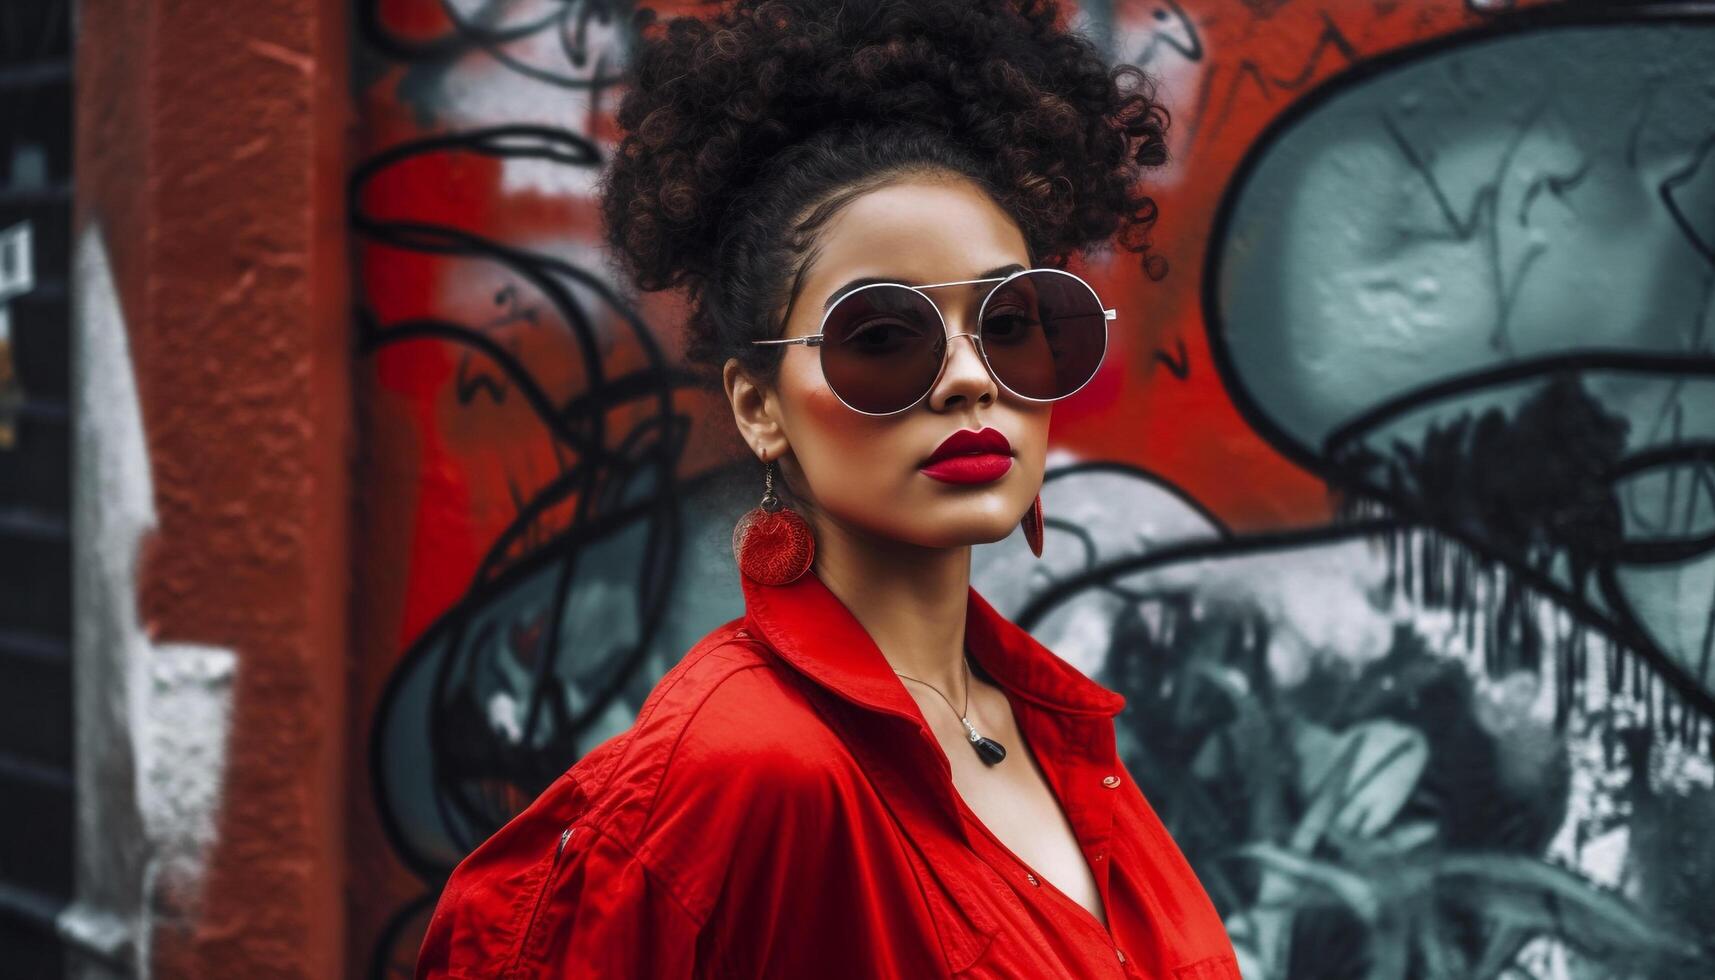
x: 725, y: 726
x: 722, y: 773
x: 728, y: 771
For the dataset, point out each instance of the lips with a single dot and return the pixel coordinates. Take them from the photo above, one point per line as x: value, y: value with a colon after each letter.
x: 966, y: 441
x: 970, y: 457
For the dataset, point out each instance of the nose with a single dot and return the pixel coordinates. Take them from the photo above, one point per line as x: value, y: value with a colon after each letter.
x: 964, y: 378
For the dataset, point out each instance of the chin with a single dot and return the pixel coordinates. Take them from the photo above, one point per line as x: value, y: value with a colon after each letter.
x: 977, y: 528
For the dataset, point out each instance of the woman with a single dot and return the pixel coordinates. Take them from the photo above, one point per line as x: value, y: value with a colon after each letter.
x: 871, y: 773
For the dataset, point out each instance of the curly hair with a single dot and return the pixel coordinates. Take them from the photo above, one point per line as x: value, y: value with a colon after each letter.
x: 746, y: 131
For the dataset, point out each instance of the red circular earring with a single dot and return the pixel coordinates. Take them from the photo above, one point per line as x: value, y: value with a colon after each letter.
x: 772, y: 543
x: 1032, y: 525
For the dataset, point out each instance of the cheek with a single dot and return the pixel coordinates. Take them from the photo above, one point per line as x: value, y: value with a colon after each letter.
x: 843, y: 453
x: 823, y: 409
x: 839, y: 441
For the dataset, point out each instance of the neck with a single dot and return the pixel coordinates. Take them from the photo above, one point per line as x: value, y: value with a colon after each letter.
x: 910, y: 599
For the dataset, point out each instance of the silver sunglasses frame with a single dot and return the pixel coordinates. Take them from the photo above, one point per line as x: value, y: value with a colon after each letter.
x: 815, y: 339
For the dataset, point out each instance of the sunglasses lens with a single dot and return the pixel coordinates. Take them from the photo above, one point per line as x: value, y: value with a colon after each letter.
x: 1045, y: 333
x: 881, y: 347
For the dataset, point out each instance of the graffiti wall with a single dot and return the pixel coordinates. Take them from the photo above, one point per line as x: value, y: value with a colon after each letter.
x: 1392, y: 513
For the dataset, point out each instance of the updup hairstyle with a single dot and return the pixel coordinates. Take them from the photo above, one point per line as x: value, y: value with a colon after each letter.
x: 745, y: 131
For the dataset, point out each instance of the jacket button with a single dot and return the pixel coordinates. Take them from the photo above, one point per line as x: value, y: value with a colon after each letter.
x: 1111, y: 781
x: 1121, y: 953
x: 1030, y: 877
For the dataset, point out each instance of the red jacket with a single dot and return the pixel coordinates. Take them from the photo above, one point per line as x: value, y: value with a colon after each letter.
x: 780, y: 808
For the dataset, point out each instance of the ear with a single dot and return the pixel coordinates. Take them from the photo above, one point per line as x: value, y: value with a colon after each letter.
x: 754, y: 411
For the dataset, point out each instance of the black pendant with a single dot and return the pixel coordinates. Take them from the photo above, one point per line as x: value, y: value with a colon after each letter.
x: 989, y: 750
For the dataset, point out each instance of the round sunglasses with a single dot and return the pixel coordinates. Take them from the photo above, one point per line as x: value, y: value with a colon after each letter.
x: 1042, y: 333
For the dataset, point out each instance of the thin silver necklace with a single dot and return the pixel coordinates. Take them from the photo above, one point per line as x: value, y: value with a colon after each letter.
x: 988, y: 750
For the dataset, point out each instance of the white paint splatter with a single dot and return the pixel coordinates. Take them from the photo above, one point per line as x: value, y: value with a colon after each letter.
x: 152, y: 719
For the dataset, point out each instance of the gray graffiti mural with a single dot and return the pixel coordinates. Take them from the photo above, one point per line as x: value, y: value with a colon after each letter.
x: 1473, y: 288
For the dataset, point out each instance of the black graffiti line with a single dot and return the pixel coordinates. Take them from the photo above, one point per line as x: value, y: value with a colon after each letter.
x: 537, y: 402
x: 520, y: 501
x: 1083, y: 536
x: 663, y: 529
x: 575, y: 44
x: 1065, y: 588
x: 467, y: 385
x: 1193, y: 51
x: 1701, y: 318
x: 448, y: 241
x: 1595, y: 359
x: 557, y: 145
x: 556, y: 79
x: 1484, y: 204
x: 1672, y: 415
x: 447, y: 634
x: 1330, y: 37
x: 542, y: 677
x: 437, y: 736
x: 1204, y: 89
x: 466, y: 37
x: 1178, y: 493
x: 1617, y: 625
x: 624, y: 388
x: 1556, y: 184
x: 439, y: 239
x: 391, y: 931
x: 1672, y: 182
x: 535, y: 268
x: 1274, y: 130
x: 1708, y: 651
x: 1180, y: 368
x: 1688, y: 688
x: 374, y: 338
x: 1698, y: 454
x: 581, y: 480
x: 1634, y: 134
x: 622, y: 391
x: 447, y: 47
x: 496, y: 141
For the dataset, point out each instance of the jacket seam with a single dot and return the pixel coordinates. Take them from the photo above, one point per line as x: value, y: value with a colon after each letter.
x: 668, y: 885
x: 679, y: 738
x: 520, y: 955
x: 643, y: 717
x: 897, y: 825
x: 1225, y: 959
x: 639, y: 852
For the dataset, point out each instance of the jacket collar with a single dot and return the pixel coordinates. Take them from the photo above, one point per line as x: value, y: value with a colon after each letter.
x: 813, y: 630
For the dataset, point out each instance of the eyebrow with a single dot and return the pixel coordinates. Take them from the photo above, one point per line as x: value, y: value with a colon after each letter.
x: 996, y: 272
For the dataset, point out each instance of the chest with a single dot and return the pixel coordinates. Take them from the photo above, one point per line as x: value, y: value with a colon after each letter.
x: 1015, y: 804
x: 1053, y: 810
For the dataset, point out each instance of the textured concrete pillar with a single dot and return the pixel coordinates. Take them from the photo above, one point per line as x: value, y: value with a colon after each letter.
x: 212, y: 479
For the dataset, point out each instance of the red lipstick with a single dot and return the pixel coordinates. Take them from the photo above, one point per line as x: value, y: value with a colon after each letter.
x: 970, y: 456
